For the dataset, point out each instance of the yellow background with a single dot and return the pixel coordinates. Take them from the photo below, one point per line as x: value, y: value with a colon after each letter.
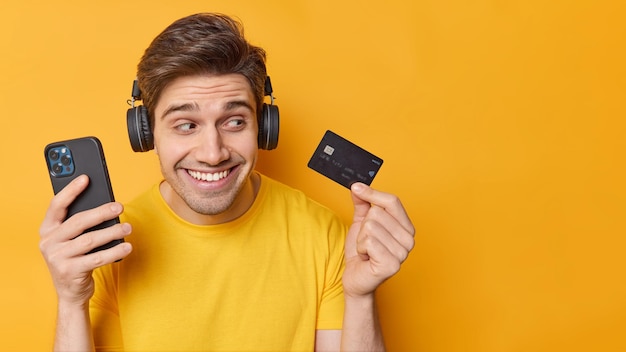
x: 501, y: 123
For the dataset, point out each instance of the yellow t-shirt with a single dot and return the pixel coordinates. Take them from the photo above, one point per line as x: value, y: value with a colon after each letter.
x: 263, y: 282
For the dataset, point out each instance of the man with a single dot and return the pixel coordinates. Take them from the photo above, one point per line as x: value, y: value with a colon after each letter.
x: 224, y: 258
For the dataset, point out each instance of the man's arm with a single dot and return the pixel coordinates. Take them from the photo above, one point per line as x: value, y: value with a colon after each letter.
x: 378, y: 242
x: 327, y: 340
x: 70, y: 268
x: 73, y: 330
x: 361, y: 327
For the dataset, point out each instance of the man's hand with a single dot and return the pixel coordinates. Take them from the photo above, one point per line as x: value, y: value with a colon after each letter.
x: 64, y: 252
x: 378, y: 242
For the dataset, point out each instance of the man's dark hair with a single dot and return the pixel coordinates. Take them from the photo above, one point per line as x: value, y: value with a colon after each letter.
x: 205, y: 43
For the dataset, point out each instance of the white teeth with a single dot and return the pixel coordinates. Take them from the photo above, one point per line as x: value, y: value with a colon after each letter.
x: 202, y: 176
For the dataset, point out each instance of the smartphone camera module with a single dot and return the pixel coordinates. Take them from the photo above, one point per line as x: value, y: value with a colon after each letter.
x: 60, y: 161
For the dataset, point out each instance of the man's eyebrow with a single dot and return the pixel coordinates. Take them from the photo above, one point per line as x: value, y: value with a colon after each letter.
x: 229, y: 106
x: 232, y: 105
x: 181, y: 107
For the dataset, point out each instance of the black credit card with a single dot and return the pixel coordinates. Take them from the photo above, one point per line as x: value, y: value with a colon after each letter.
x: 343, y: 161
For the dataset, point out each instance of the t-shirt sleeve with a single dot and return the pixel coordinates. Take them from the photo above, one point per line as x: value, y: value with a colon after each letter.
x: 103, y: 310
x: 330, y: 314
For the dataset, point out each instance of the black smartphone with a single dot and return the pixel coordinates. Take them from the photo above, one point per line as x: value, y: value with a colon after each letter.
x: 69, y: 159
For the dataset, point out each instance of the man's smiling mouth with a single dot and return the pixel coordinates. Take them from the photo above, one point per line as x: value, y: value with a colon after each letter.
x: 207, y: 176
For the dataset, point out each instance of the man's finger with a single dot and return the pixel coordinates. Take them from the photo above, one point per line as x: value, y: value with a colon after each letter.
x: 391, y: 226
x: 374, y: 231
x: 91, y: 261
x: 57, y: 211
x: 90, y: 240
x: 362, y: 194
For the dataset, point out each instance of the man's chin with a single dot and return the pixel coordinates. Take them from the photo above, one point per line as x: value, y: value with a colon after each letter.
x: 212, y: 209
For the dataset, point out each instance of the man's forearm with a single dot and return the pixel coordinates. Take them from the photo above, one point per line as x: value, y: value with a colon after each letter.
x: 361, y: 327
x: 73, y: 330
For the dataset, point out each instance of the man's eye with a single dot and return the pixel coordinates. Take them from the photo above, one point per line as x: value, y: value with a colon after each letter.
x: 235, y: 123
x: 186, y: 127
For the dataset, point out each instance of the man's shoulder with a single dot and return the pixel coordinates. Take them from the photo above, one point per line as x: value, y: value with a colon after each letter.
x: 275, y: 188
x: 293, y: 198
x: 146, y: 201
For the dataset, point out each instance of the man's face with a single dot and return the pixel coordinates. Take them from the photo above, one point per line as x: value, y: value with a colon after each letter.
x: 205, y: 133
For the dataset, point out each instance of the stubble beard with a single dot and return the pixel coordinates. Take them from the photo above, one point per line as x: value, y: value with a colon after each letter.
x: 208, y: 202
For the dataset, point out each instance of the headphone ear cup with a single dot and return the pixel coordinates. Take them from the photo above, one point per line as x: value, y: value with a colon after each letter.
x: 269, y: 123
x: 139, y: 132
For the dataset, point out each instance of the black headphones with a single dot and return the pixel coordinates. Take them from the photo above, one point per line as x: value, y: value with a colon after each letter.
x: 140, y: 131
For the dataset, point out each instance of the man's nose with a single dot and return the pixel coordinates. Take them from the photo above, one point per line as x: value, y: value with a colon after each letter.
x: 210, y: 147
